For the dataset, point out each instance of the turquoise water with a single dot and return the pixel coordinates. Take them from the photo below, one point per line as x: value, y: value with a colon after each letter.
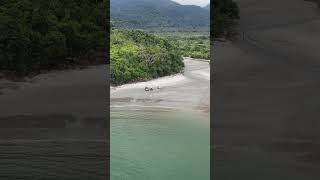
x: 159, y: 145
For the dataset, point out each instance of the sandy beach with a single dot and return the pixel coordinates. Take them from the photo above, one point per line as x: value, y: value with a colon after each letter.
x: 188, y: 90
x: 266, y: 94
x: 55, y: 123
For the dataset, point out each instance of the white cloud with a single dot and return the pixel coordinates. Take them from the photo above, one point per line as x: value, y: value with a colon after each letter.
x: 193, y: 2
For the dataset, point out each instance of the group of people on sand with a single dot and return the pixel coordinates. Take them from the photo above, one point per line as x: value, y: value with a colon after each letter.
x: 150, y: 88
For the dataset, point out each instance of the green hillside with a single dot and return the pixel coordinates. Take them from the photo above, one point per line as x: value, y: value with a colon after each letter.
x: 145, y: 14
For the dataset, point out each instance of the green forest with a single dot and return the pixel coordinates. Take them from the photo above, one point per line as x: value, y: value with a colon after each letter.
x: 137, y: 56
x: 37, y: 35
x: 191, y: 42
x: 191, y: 45
x: 40, y: 35
x: 189, y: 39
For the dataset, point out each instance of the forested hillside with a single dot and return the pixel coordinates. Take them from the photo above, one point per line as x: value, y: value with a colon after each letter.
x: 136, y: 56
x: 144, y: 14
x: 207, y: 7
x: 48, y: 34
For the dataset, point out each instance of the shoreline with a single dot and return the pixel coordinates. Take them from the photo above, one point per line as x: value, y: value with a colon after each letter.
x: 12, y: 76
x: 54, y: 77
x: 163, y: 81
x: 189, y: 90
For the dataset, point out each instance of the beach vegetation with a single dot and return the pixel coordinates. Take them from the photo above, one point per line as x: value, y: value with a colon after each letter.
x: 137, y: 56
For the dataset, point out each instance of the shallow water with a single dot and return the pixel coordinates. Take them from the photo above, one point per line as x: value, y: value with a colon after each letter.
x: 159, y: 144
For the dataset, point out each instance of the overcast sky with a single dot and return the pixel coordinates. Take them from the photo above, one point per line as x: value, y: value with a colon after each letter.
x: 193, y: 2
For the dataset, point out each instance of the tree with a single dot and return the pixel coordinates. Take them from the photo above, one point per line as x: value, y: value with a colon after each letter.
x: 45, y: 34
x: 225, y: 12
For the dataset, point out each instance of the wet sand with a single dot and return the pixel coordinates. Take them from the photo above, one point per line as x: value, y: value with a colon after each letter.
x: 187, y: 91
x: 266, y: 94
x: 55, y: 126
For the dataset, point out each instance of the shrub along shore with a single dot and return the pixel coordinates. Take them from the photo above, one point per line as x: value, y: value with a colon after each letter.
x: 138, y: 56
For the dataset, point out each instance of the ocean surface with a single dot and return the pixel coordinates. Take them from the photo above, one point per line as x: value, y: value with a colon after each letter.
x: 159, y: 144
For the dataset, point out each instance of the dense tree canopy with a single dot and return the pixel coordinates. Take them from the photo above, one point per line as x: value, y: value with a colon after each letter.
x: 47, y: 34
x: 136, y: 55
x: 192, y: 46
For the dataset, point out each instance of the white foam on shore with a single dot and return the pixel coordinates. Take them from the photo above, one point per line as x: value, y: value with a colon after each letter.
x: 161, y: 82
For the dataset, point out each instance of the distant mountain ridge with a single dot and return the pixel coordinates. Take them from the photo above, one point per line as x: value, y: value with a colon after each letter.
x: 207, y: 7
x: 145, y: 14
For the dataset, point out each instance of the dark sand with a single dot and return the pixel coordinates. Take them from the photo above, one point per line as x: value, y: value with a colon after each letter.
x: 266, y: 94
x: 55, y: 126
